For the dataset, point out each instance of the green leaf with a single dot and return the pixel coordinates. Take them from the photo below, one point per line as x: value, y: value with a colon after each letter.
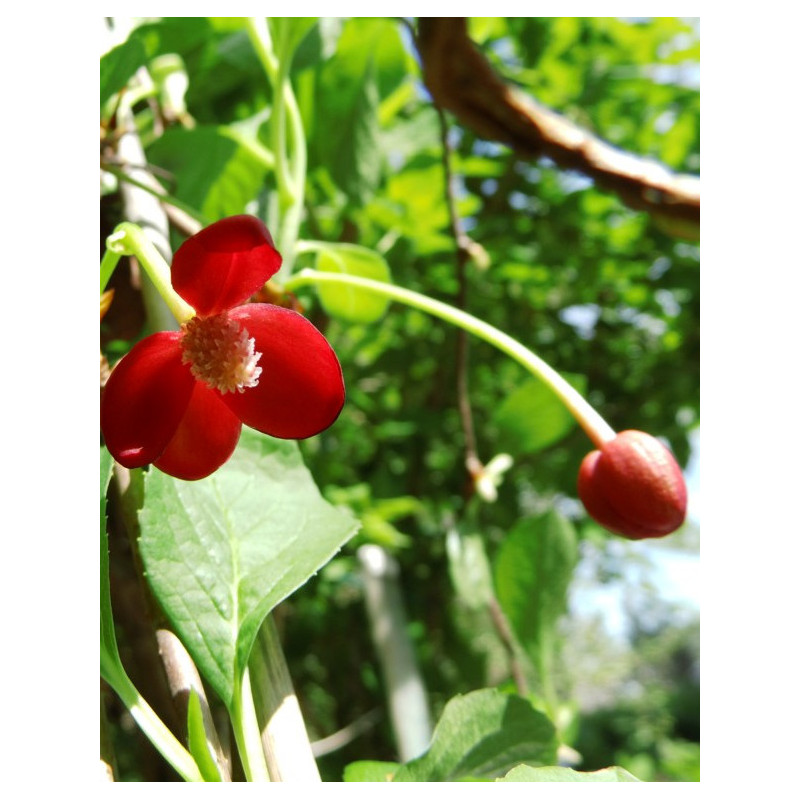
x: 482, y: 735
x: 108, y: 637
x: 349, y: 303
x: 565, y: 774
x: 370, y: 771
x: 319, y: 43
x: 470, y: 571
x: 198, y: 742
x: 353, y: 152
x: 370, y: 62
x: 532, y: 417
x: 118, y: 65
x: 221, y: 553
x: 214, y: 169
x: 533, y: 569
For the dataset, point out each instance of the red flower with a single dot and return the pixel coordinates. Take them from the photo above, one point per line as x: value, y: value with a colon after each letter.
x: 633, y: 486
x: 178, y: 399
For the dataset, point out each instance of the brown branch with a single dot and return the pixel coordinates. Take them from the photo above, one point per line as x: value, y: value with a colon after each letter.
x: 462, y: 80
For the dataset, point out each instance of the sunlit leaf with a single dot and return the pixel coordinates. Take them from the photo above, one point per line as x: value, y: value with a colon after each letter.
x: 532, y: 417
x: 470, y: 570
x: 370, y: 771
x: 369, y: 64
x: 211, y: 168
x: 533, y: 570
x: 220, y: 553
x: 118, y: 65
x: 567, y: 775
x: 198, y: 742
x: 482, y: 735
x: 350, y: 303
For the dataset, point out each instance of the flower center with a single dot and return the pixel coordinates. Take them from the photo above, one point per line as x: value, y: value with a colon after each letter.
x: 220, y: 353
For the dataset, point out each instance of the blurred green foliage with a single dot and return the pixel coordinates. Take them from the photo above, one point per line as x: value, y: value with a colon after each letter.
x: 596, y: 289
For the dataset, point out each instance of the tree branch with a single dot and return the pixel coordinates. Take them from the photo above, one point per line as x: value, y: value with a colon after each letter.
x: 462, y: 80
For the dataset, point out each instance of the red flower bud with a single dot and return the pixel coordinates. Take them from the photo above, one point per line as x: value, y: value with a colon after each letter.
x: 634, y: 487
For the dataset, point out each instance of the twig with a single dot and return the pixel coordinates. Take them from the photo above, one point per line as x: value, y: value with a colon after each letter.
x: 464, y: 249
x: 506, y: 637
x: 349, y: 733
x: 461, y: 79
x: 179, y: 214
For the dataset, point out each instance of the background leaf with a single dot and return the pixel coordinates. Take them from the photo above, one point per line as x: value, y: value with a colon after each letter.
x: 369, y: 63
x: 212, y: 168
x: 347, y: 302
x: 564, y: 775
x: 481, y: 735
x: 118, y: 65
x: 470, y: 570
x: 220, y: 553
x: 532, y: 418
x: 370, y: 771
x: 533, y: 569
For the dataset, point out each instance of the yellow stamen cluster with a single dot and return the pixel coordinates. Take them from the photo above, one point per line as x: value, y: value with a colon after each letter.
x: 220, y: 352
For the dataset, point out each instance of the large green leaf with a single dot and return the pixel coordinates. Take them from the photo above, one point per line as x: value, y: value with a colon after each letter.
x: 482, y: 735
x: 349, y: 303
x: 221, y: 553
x: 533, y: 569
x: 532, y: 417
x: 213, y: 168
x: 567, y: 775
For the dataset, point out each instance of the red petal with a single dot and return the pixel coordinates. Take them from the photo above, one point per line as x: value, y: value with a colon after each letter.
x: 223, y: 265
x: 205, y: 439
x: 144, y: 400
x: 301, y: 389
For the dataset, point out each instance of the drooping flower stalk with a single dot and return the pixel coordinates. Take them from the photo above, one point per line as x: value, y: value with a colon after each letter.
x: 631, y: 484
x: 597, y: 429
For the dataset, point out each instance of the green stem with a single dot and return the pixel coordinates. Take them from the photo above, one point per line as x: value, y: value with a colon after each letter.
x: 289, y: 150
x: 247, y: 731
x: 107, y: 266
x: 130, y: 240
x: 597, y: 429
x: 156, y: 731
